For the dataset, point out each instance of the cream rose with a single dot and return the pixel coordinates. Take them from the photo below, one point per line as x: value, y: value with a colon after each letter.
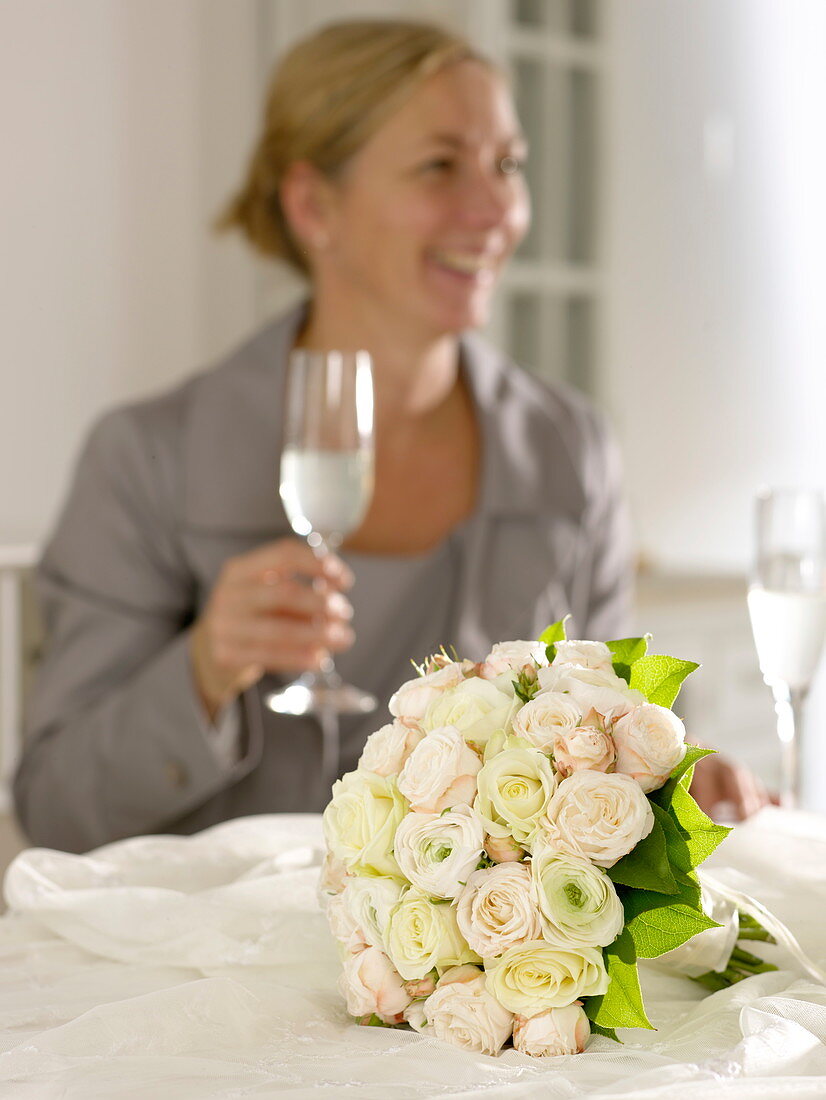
x: 463, y: 1012
x: 650, y: 743
x: 475, y: 707
x: 597, y: 816
x: 361, y: 820
x: 388, y: 748
x: 437, y: 852
x: 369, y: 900
x: 515, y: 787
x: 584, y: 655
x: 537, y: 975
x: 370, y: 984
x: 555, y: 1031
x: 541, y: 721
x: 423, y: 934
x: 578, y: 902
x: 496, y: 909
x: 415, y: 696
x: 511, y: 657
x: 440, y: 772
x: 591, y: 689
x: 584, y: 747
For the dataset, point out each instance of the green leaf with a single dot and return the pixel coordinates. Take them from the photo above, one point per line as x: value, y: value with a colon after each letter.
x: 678, y: 854
x: 555, y: 632
x: 608, y: 1032
x: 621, y: 1005
x: 702, y: 836
x: 684, y: 769
x: 625, y: 652
x: 629, y: 650
x: 658, y: 923
x: 659, y: 677
x: 646, y: 867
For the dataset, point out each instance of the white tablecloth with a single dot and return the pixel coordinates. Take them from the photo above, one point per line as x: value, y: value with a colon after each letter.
x: 175, y: 968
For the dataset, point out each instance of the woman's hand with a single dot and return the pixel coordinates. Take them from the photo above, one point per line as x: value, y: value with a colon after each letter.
x: 725, y: 790
x: 277, y: 609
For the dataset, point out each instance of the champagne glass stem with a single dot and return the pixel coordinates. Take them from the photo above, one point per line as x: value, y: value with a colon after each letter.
x: 788, y: 706
x: 327, y: 680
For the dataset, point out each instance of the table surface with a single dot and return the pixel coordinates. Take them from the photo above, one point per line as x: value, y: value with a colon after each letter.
x: 202, y: 967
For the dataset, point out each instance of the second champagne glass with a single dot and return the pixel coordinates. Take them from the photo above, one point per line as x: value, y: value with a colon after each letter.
x: 787, y: 606
x: 326, y: 485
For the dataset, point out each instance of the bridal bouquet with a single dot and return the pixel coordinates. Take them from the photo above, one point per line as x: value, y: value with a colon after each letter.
x: 514, y: 841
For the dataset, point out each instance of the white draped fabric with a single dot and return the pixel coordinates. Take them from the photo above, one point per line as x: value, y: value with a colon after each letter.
x: 201, y: 967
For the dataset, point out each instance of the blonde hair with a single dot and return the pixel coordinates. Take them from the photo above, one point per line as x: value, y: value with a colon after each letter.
x: 328, y: 96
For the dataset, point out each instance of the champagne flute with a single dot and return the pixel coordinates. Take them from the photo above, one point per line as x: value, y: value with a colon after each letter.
x: 326, y: 484
x: 787, y: 606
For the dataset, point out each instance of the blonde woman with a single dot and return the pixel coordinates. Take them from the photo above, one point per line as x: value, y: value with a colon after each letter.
x: 389, y: 173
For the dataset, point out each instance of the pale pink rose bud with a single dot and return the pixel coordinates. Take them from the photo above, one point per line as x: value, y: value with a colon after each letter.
x: 511, y: 657
x: 332, y: 878
x: 583, y: 747
x: 465, y: 973
x: 503, y: 849
x: 422, y: 987
x: 555, y: 1031
x: 367, y: 1020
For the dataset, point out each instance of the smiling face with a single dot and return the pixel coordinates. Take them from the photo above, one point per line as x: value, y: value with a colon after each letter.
x: 421, y: 220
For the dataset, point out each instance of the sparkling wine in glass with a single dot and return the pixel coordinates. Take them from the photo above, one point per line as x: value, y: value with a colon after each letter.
x: 326, y: 484
x: 787, y: 607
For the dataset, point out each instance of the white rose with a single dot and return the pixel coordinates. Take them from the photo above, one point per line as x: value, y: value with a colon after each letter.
x: 544, y: 718
x: 508, y: 657
x: 370, y: 984
x: 514, y: 790
x: 496, y: 909
x: 369, y: 900
x: 437, y: 852
x: 361, y: 821
x: 584, y: 655
x: 578, y: 901
x: 388, y: 748
x: 423, y: 934
x: 584, y: 747
x: 346, y: 928
x: 413, y: 697
x: 650, y: 743
x: 537, y: 975
x: 591, y: 689
x: 555, y: 1031
x: 597, y: 816
x: 463, y: 1012
x: 440, y: 772
x: 475, y: 707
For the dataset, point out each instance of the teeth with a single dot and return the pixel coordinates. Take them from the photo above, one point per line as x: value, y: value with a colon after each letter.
x: 466, y: 262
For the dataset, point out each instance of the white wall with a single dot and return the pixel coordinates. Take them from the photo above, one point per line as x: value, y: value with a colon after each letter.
x: 124, y: 123
x: 715, y: 334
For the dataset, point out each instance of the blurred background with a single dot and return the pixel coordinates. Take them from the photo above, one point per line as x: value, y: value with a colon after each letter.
x: 674, y: 272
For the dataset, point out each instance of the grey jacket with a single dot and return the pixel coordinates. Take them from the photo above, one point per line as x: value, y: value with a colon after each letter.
x: 167, y: 489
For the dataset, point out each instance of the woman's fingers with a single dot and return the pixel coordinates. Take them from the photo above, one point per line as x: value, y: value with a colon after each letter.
x: 276, y: 609
x: 725, y: 790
